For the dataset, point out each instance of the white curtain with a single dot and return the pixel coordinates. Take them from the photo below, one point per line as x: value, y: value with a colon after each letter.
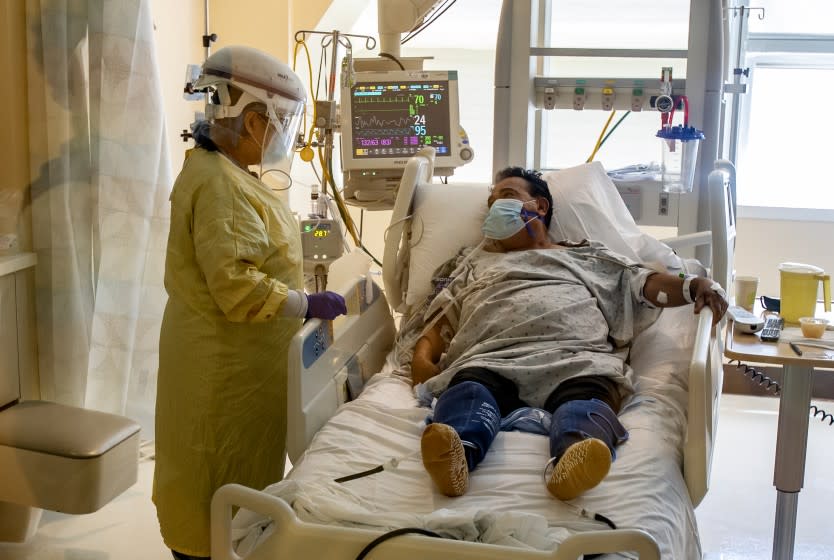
x: 101, y: 178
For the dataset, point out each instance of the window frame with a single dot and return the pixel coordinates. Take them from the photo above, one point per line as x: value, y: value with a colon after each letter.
x: 782, y: 50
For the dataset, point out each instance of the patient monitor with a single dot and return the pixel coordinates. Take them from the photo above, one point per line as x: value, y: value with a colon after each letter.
x: 386, y: 118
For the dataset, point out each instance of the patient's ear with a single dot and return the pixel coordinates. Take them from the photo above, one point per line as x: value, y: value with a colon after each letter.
x: 542, y: 206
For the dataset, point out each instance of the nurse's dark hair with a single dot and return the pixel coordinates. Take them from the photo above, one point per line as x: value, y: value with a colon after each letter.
x: 535, y: 183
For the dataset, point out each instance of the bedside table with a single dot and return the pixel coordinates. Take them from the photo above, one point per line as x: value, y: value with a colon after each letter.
x: 794, y: 403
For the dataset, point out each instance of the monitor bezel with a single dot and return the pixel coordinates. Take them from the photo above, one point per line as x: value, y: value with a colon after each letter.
x: 453, y: 159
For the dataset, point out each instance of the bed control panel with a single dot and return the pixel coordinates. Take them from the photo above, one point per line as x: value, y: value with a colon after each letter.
x: 363, y: 294
x: 330, y: 361
x: 317, y: 343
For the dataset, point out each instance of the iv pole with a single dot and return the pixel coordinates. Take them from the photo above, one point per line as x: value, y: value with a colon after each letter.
x: 333, y: 39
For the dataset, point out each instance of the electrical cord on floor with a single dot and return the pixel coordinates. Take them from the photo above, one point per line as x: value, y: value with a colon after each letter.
x: 756, y: 376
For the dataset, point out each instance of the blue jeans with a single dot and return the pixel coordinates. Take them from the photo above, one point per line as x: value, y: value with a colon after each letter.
x: 577, y: 420
x: 471, y: 410
x: 476, y: 399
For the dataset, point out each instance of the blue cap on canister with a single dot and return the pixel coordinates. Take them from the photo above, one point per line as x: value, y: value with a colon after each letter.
x: 680, y: 132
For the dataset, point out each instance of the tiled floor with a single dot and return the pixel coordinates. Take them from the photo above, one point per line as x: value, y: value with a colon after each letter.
x: 735, y: 519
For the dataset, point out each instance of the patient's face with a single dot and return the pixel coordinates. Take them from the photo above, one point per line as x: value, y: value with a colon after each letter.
x: 511, y: 187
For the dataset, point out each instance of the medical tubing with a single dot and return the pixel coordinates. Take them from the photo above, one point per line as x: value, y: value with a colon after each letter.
x: 417, y: 29
x: 762, y: 380
x: 392, y: 57
x: 276, y: 170
x: 385, y: 233
x: 601, y: 134
x: 343, y: 211
x: 675, y: 101
x: 322, y: 63
x: 613, y: 128
x: 333, y: 211
x: 303, y: 43
x: 395, y: 533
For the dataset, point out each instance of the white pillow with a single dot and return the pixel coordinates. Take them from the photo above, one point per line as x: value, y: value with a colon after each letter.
x: 445, y: 218
x: 586, y: 204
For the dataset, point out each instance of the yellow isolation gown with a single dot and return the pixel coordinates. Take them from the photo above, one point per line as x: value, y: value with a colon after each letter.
x: 233, y: 251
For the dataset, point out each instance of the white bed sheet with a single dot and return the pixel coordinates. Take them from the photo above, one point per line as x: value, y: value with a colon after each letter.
x: 507, y: 502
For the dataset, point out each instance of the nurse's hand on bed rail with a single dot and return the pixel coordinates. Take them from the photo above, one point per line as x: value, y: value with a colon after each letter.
x: 325, y: 305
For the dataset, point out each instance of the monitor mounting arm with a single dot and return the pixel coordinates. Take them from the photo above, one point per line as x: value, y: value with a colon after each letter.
x: 395, y: 17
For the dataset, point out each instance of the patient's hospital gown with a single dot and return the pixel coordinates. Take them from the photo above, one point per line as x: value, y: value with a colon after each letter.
x: 540, y: 317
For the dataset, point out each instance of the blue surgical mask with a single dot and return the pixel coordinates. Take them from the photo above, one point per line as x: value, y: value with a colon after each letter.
x: 504, y: 218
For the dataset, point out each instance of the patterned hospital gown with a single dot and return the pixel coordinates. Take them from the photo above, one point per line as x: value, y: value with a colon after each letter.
x: 540, y: 317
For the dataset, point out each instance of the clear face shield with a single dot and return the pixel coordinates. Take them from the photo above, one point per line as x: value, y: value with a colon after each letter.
x: 275, y: 137
x: 284, y: 118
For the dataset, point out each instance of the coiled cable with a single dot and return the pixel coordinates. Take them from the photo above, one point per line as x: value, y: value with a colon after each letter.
x: 758, y: 377
x: 823, y: 415
x: 768, y: 383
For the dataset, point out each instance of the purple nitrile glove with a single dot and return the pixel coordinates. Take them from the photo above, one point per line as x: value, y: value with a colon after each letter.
x: 325, y: 305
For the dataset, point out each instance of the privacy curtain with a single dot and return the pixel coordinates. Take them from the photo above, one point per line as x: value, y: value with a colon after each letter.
x: 101, y: 178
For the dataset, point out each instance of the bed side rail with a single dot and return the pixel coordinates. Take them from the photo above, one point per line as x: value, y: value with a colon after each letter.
x: 706, y: 376
x: 292, y: 538
x: 419, y: 169
x: 329, y: 361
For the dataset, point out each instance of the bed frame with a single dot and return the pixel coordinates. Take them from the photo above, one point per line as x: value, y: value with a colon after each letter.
x: 329, y: 360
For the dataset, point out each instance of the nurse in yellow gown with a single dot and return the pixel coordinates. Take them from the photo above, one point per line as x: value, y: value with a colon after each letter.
x: 234, y: 278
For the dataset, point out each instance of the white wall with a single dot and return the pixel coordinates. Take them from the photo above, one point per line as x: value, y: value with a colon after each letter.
x: 762, y: 244
x: 178, y: 30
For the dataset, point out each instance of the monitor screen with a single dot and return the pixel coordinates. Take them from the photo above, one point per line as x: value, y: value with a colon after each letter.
x: 393, y: 119
x: 388, y: 116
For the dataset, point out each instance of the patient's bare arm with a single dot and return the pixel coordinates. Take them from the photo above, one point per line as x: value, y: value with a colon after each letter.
x: 427, y: 352
x: 666, y: 290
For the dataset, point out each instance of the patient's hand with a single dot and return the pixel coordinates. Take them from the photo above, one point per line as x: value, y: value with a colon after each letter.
x: 422, y: 369
x: 709, y: 294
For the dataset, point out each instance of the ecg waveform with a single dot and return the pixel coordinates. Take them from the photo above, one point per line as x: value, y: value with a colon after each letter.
x: 375, y: 122
x: 392, y: 120
x: 374, y: 132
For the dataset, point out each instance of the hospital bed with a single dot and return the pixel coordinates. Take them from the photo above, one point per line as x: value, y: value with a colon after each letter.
x: 661, y: 473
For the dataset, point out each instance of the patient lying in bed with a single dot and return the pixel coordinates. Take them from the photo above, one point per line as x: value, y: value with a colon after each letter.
x: 522, y: 321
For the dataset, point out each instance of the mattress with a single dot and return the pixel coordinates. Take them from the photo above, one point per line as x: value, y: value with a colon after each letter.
x: 507, y: 502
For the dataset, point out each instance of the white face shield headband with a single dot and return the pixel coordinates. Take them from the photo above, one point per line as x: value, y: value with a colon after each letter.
x: 282, y: 118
